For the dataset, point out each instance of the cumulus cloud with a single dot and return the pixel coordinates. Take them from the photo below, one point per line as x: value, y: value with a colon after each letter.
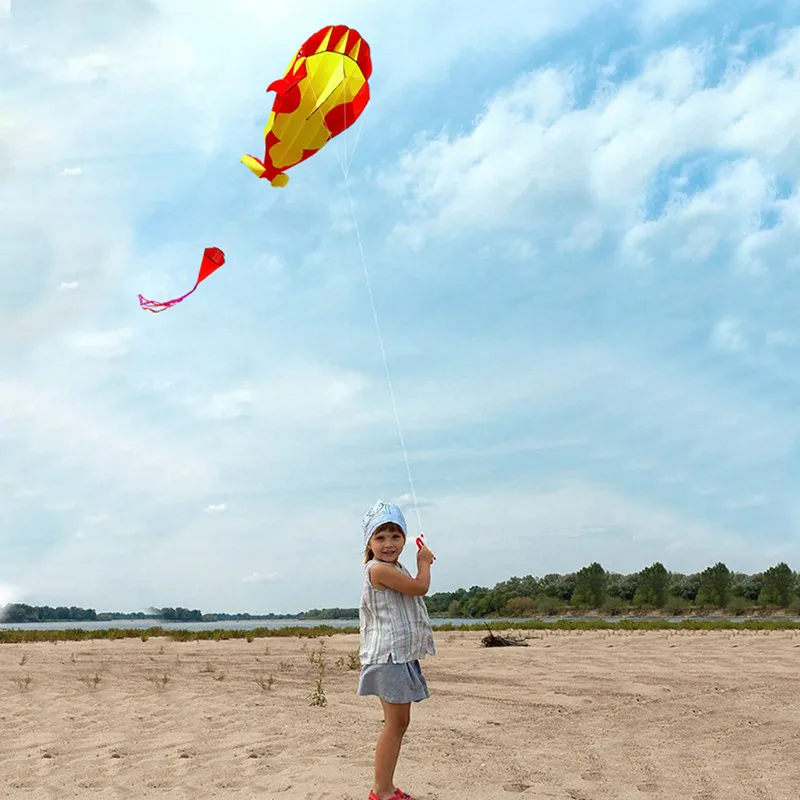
x: 536, y: 150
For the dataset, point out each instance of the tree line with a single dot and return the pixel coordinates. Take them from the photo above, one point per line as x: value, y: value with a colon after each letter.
x: 654, y: 587
x: 591, y: 588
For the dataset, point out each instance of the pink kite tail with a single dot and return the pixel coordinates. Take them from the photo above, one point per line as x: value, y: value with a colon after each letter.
x: 213, y: 259
x: 156, y: 308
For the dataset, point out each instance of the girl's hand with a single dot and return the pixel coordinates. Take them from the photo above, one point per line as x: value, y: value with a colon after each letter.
x: 424, y: 556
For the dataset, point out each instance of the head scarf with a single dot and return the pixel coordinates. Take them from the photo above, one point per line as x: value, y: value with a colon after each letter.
x: 380, y: 514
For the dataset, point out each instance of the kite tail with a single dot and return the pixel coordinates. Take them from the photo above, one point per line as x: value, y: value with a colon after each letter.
x: 157, y: 307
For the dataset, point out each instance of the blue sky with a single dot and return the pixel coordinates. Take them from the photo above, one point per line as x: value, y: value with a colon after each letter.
x: 582, y: 226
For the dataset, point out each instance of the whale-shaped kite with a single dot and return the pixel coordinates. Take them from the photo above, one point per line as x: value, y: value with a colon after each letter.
x: 323, y: 92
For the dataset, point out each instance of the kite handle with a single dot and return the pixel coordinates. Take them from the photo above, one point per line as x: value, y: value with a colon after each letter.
x: 421, y: 543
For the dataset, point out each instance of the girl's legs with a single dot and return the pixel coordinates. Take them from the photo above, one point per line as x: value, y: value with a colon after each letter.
x: 396, y: 719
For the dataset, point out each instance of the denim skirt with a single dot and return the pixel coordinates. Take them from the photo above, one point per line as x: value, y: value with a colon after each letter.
x: 394, y: 683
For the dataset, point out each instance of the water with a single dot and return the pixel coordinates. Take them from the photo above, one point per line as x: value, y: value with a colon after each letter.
x: 225, y: 625
x: 275, y: 624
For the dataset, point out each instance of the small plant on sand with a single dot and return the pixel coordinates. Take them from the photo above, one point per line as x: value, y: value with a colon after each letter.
x: 23, y: 682
x: 159, y: 681
x: 23, y: 659
x: 284, y: 666
x: 266, y: 650
x: 249, y: 638
x: 318, y: 697
x: 91, y: 681
x: 318, y: 657
x: 210, y: 669
x: 354, y: 659
x: 265, y: 685
x: 72, y: 658
x: 145, y: 636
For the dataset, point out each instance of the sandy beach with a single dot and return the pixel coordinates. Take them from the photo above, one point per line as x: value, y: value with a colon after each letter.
x: 575, y: 715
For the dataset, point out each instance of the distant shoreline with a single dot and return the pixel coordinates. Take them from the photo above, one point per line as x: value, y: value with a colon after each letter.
x: 180, y: 632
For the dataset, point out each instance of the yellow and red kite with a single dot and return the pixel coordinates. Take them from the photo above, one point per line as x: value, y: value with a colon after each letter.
x: 322, y: 93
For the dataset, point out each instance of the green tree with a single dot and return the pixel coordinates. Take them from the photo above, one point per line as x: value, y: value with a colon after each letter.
x: 715, y: 586
x: 622, y: 587
x: 684, y: 587
x: 559, y: 587
x: 520, y: 606
x: 590, y: 587
x: 748, y: 587
x: 778, y: 585
x: 652, y: 589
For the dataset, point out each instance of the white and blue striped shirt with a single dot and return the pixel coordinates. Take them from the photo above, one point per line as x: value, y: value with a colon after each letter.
x: 392, y: 624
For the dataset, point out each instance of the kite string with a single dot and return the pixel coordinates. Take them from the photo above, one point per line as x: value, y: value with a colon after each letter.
x: 345, y: 170
x: 383, y: 352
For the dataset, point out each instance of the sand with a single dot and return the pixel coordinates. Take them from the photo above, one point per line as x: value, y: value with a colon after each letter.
x: 583, y: 716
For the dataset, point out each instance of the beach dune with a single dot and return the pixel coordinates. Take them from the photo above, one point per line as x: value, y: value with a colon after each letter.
x: 695, y: 715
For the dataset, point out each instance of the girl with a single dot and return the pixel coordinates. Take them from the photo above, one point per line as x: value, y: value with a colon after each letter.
x: 395, y: 634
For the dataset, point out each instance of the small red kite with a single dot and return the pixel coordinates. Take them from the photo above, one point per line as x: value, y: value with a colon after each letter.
x: 213, y: 259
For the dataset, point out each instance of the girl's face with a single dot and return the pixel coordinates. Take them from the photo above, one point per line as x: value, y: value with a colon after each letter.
x: 387, y: 543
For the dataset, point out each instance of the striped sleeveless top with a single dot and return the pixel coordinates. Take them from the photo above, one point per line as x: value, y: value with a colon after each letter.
x: 392, y: 624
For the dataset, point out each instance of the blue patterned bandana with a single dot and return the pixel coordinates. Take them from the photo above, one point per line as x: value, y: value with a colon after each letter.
x: 380, y: 514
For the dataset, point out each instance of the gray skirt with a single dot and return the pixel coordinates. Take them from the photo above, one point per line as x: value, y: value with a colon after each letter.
x: 394, y: 683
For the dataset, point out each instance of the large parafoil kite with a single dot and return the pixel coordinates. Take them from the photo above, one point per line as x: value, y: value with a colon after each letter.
x: 323, y: 92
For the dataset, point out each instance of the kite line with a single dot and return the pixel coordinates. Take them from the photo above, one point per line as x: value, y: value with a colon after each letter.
x: 345, y: 167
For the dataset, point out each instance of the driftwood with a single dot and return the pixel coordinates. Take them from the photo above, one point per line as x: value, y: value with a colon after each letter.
x: 502, y: 641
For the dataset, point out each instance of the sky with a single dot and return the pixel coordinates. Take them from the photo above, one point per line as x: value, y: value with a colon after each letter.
x: 581, y: 226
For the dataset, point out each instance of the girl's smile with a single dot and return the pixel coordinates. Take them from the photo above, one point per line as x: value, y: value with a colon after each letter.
x: 387, y: 543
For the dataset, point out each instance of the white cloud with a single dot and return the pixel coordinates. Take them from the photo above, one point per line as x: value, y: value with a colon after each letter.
x: 67, y: 286
x: 621, y: 532
x: 70, y: 171
x: 83, y: 438
x: 256, y: 577
x: 653, y: 14
x: 7, y: 594
x: 536, y: 160
x: 728, y: 335
x: 216, y: 508
x: 102, y: 343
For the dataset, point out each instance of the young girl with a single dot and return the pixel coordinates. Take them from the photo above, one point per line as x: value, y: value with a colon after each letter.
x: 395, y: 634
